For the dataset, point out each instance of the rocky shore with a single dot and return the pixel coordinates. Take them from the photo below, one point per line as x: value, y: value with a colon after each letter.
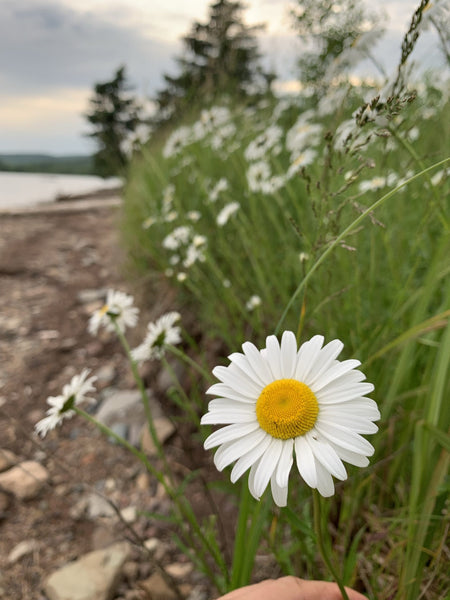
x: 67, y: 502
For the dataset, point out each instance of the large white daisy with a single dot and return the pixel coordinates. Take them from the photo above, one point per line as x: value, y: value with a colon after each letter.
x: 281, y: 402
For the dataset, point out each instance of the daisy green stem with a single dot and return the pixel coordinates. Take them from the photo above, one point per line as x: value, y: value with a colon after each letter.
x: 344, y: 233
x: 187, y: 359
x: 184, y: 403
x: 240, y: 541
x: 126, y: 444
x: 144, y: 395
x: 319, y: 531
x: 184, y: 509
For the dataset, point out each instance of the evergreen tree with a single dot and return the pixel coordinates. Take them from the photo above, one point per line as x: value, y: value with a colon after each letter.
x: 219, y: 56
x: 114, y: 115
x: 336, y: 34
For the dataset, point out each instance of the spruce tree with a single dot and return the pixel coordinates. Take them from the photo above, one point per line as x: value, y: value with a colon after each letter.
x: 219, y: 56
x: 114, y: 115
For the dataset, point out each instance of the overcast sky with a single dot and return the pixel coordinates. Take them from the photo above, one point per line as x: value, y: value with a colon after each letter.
x: 52, y: 52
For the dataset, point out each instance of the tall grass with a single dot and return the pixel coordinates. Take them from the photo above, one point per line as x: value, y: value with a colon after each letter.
x: 383, y: 288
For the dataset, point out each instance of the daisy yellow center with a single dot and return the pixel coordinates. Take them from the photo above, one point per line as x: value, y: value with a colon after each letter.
x: 287, y: 408
x: 104, y: 309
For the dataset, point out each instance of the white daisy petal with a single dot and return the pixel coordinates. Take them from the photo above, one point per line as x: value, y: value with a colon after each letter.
x: 357, y: 390
x: 353, y: 458
x: 267, y: 465
x: 327, y: 456
x: 366, y: 408
x: 288, y: 354
x: 359, y: 425
x: 248, y: 459
x: 324, y: 360
x: 274, y: 356
x: 345, y: 438
x: 229, y: 452
x: 334, y: 372
x: 285, y: 463
x: 325, y: 485
x: 307, y: 355
x: 241, y: 361
x: 305, y: 461
x: 257, y: 362
x: 279, y: 493
x: 229, y: 433
x: 234, y: 377
x: 225, y: 417
x: 225, y: 391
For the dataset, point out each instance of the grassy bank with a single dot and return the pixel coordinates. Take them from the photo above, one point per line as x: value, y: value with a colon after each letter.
x: 325, y: 217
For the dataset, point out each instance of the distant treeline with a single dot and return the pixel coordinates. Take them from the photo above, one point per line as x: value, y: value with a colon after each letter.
x: 45, y: 163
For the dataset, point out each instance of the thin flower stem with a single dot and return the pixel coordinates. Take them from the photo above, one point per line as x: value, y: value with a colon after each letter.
x: 184, y: 510
x: 187, y: 359
x: 346, y: 231
x: 320, y: 543
x: 241, y: 536
x: 184, y: 403
x: 144, y: 396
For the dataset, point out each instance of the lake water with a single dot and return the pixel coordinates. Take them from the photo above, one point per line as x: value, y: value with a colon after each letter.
x: 29, y: 189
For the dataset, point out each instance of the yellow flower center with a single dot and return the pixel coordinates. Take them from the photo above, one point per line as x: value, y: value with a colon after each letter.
x: 104, y: 309
x: 287, y: 408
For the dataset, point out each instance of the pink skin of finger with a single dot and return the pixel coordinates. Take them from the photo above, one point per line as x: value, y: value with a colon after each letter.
x: 291, y: 588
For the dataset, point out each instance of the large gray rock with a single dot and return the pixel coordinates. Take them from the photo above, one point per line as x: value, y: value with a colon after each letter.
x: 25, y: 480
x: 94, y: 576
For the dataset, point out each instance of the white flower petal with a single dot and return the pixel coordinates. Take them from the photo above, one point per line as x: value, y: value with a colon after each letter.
x: 266, y: 466
x: 229, y: 433
x: 285, y: 463
x: 231, y: 451
x: 345, y: 438
x: 234, y: 377
x: 241, y: 361
x: 288, y: 350
x: 248, y: 459
x: 325, y: 485
x: 357, y: 390
x: 307, y: 355
x: 225, y: 391
x: 273, y: 357
x: 257, y: 362
x: 334, y: 372
x: 279, y: 493
x: 227, y: 416
x: 327, y: 456
x: 353, y: 458
x: 324, y: 360
x: 357, y: 424
x: 365, y: 408
x: 305, y: 461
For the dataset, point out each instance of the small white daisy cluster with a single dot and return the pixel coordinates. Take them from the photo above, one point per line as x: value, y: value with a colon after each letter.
x: 214, y: 127
x: 160, y: 334
x: 118, y: 310
x: 73, y: 394
x: 185, y: 246
x: 284, y: 403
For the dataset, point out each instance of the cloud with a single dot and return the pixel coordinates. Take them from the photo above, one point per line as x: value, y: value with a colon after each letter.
x: 45, y: 45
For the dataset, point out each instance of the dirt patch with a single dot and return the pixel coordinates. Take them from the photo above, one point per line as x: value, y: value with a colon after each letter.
x: 46, y: 260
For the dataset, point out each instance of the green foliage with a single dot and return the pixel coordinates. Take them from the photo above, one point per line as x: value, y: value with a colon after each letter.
x: 331, y: 31
x: 380, y: 288
x: 43, y: 163
x: 114, y: 115
x: 219, y: 56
